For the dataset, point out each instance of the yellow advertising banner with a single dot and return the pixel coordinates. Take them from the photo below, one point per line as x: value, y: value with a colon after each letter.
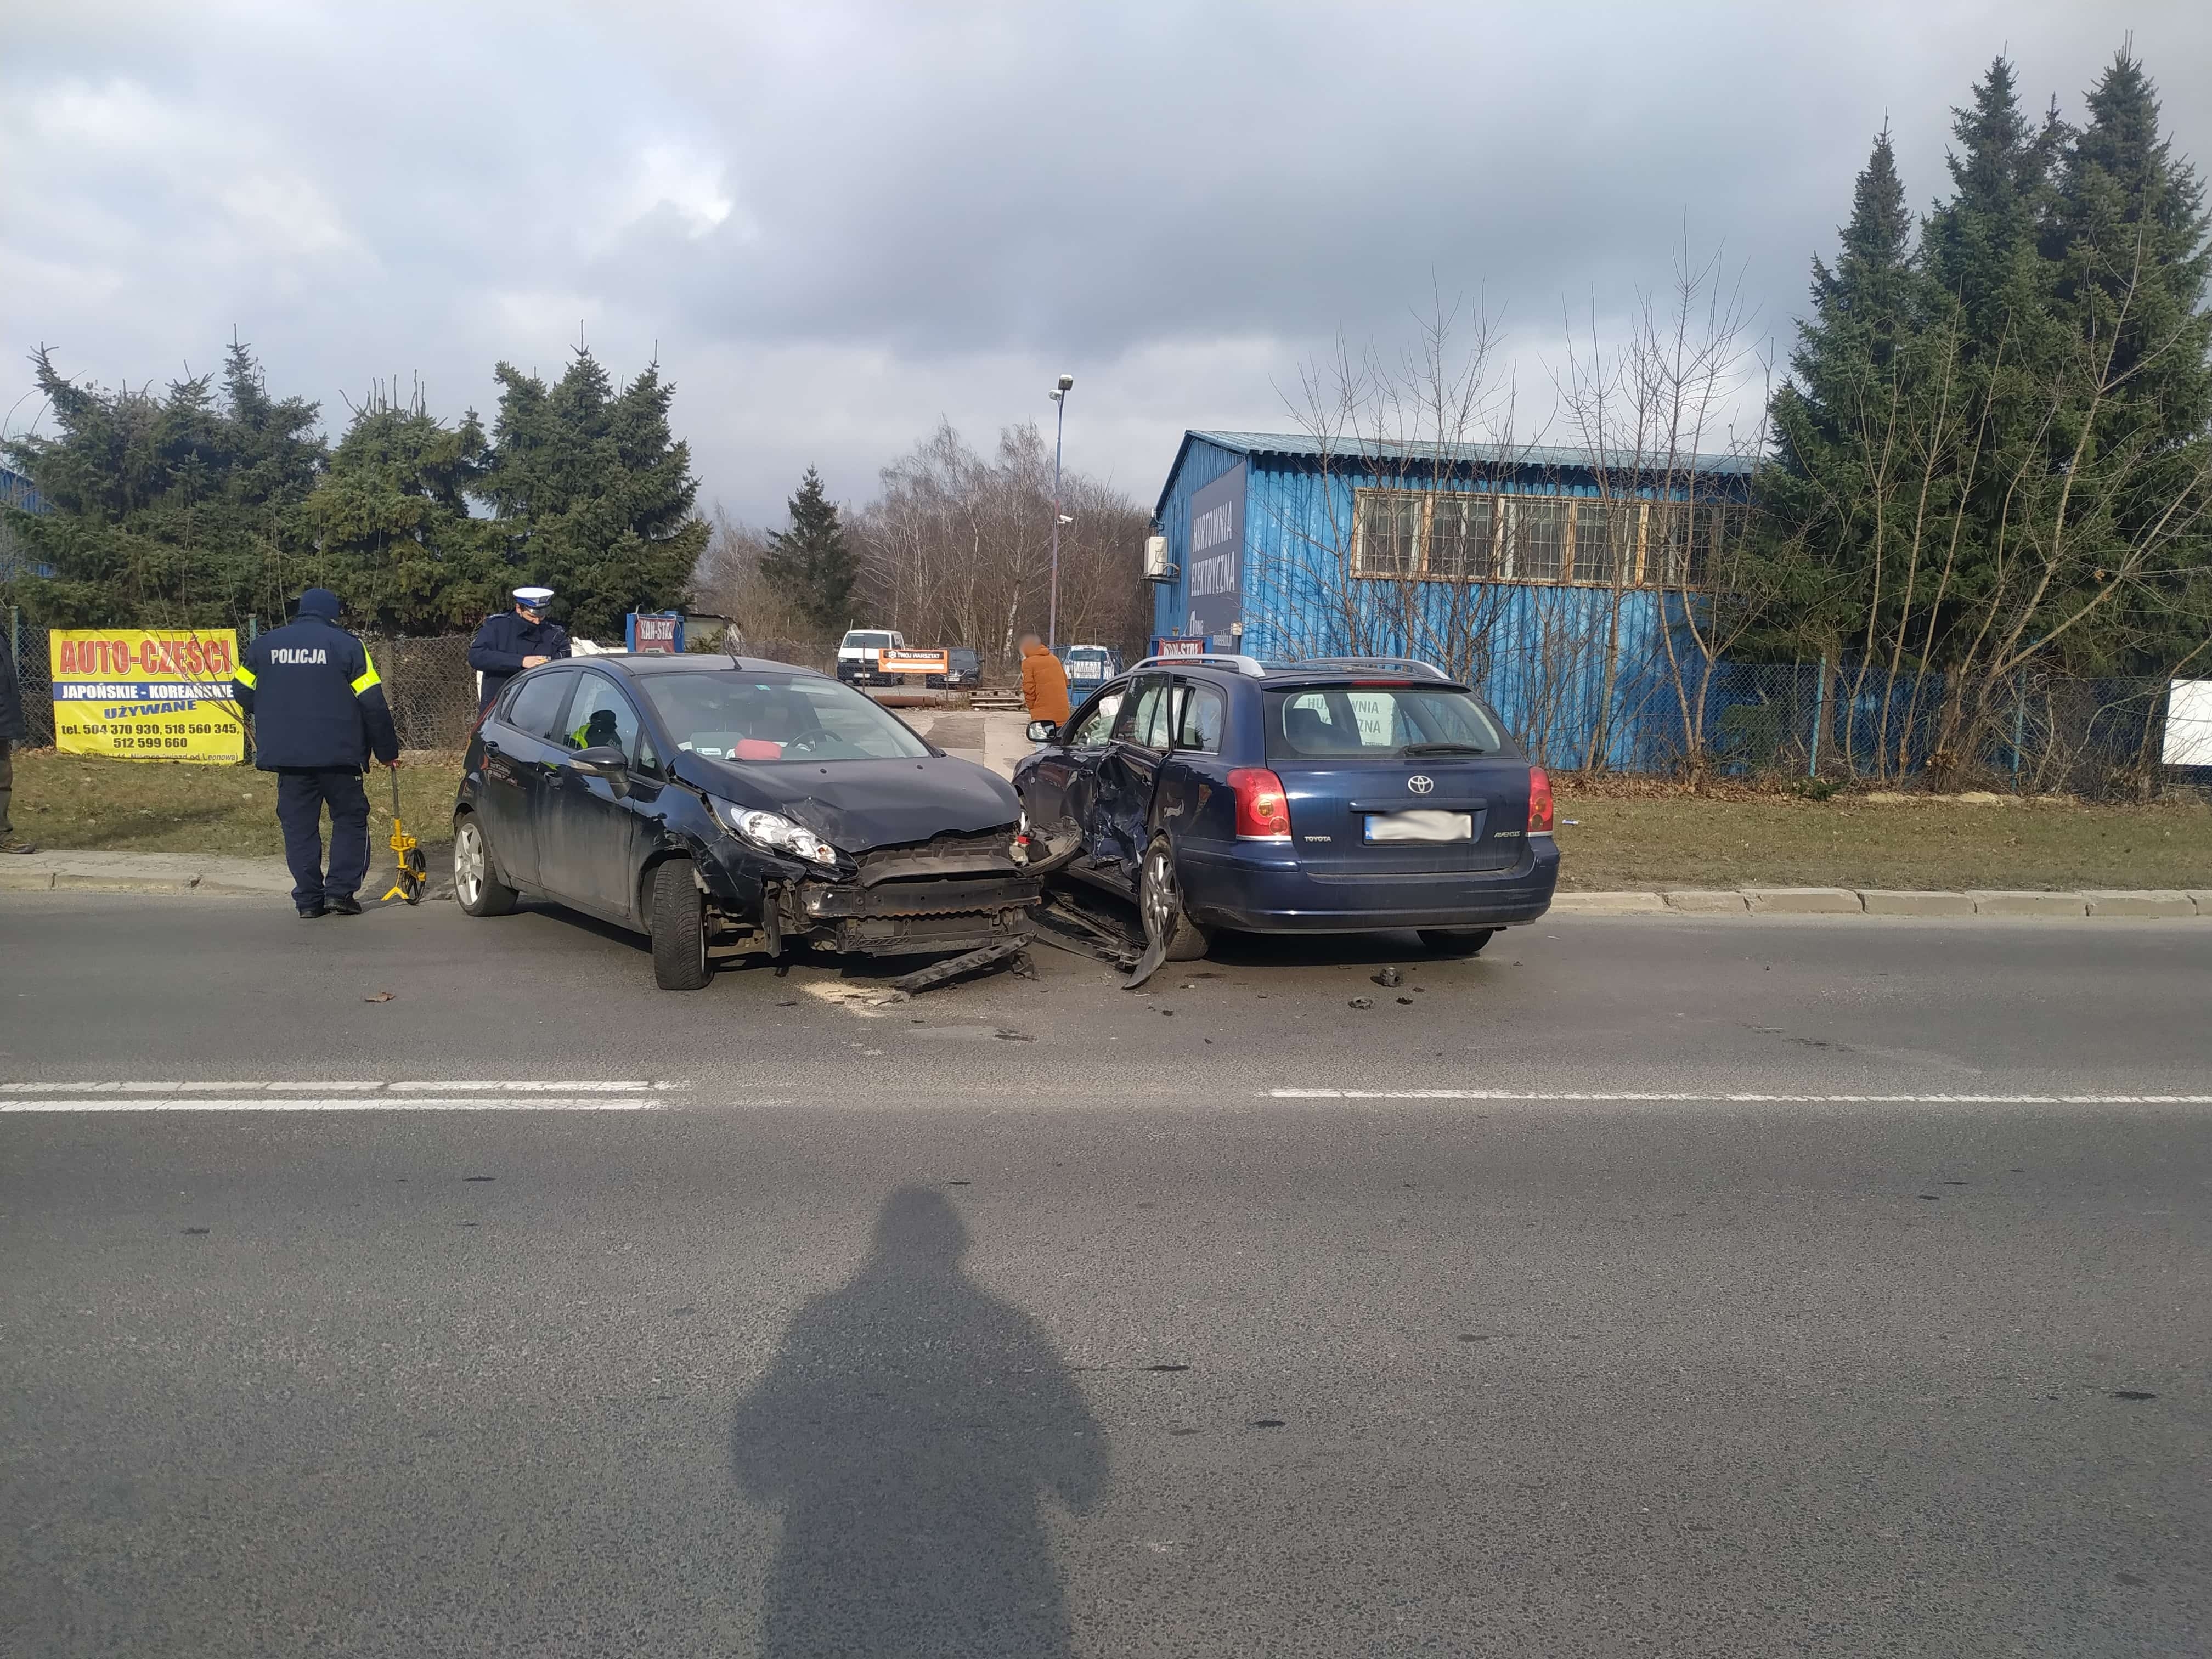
x: 146, y: 694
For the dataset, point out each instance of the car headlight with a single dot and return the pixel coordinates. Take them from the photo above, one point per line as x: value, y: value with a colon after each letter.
x: 777, y: 833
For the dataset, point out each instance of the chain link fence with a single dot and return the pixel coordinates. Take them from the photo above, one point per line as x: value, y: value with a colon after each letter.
x: 430, y: 688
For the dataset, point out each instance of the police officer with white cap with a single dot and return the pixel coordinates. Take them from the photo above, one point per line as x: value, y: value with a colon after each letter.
x: 515, y: 640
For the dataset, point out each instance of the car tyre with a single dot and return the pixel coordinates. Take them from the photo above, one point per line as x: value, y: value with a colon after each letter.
x: 679, y: 929
x: 1159, y: 902
x: 1456, y: 941
x: 476, y: 886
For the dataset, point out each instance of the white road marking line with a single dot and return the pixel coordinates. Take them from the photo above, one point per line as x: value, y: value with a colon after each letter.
x: 335, y: 1104
x: 325, y: 1086
x: 1731, y: 1095
x: 524, y: 1088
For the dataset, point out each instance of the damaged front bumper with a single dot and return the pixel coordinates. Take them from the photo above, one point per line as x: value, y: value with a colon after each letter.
x: 952, y: 895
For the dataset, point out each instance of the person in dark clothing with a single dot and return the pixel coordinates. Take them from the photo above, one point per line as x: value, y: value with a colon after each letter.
x: 515, y: 640
x: 318, y: 713
x: 13, y: 731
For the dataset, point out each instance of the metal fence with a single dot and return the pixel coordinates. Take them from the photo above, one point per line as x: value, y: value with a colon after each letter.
x: 1842, y: 723
x: 2031, y: 732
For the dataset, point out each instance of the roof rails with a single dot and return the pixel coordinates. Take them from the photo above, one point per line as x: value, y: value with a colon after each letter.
x: 1247, y: 666
x: 1255, y: 669
x: 1392, y: 664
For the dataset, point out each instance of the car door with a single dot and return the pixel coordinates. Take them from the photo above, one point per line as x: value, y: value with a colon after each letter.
x: 1060, y: 783
x: 520, y: 757
x: 1192, y: 800
x: 588, y: 833
x: 1126, y: 775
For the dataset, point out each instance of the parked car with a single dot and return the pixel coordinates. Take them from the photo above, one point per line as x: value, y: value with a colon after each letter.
x: 858, y: 662
x: 726, y: 806
x: 963, y: 671
x: 1334, y: 796
x: 1088, y: 667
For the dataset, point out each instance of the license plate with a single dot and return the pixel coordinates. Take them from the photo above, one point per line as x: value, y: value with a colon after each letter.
x: 1421, y: 826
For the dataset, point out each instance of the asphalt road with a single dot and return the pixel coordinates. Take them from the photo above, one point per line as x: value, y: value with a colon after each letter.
x: 1035, y: 1318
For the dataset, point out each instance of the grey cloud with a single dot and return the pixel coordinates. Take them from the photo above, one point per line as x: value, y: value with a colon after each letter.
x: 837, y: 222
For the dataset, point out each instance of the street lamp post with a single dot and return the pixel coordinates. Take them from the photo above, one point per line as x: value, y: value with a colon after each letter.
x: 1059, y: 427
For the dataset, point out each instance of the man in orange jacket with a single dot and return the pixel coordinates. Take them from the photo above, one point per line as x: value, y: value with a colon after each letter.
x: 1044, y: 682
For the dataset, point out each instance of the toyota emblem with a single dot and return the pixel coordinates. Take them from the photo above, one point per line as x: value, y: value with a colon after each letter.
x: 1420, y: 783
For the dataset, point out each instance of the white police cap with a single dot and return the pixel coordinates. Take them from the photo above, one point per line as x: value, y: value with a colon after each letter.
x: 533, y: 597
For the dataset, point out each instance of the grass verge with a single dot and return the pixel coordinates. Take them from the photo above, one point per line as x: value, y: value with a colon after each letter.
x: 1687, y: 841
x: 76, y: 803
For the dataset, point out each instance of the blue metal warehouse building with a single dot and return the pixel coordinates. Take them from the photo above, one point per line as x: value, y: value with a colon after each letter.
x: 1566, y: 587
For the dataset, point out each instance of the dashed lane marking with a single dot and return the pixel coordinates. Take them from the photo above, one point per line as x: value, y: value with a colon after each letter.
x: 1661, y: 1095
x: 320, y: 1086
x: 369, y: 1103
x: 318, y: 1095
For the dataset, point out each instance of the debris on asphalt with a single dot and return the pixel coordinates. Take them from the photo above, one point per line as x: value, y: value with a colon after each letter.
x: 1362, y: 1002
x: 1068, y: 926
x: 1004, y: 951
x: 1387, y: 978
x: 1409, y: 1001
x: 381, y: 996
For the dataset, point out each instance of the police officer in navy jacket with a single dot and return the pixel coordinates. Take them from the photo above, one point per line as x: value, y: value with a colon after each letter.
x: 515, y: 640
x: 318, y: 714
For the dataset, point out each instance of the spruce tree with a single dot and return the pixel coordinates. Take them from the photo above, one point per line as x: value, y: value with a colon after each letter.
x: 169, y: 509
x: 2130, y: 239
x: 1852, y: 371
x: 810, y: 565
x: 593, y: 493
x: 393, y: 531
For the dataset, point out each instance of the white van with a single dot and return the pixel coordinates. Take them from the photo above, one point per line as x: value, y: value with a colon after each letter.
x: 858, y: 663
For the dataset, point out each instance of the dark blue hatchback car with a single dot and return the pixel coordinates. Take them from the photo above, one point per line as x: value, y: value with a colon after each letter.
x: 1339, y: 795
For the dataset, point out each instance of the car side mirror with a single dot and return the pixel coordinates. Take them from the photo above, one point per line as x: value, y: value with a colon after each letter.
x: 1043, y: 731
x: 607, y: 762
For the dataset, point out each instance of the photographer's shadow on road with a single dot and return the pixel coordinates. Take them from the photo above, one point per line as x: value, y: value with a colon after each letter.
x: 909, y: 1429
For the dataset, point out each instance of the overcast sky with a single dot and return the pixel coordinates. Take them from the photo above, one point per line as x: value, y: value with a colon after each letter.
x: 837, y: 222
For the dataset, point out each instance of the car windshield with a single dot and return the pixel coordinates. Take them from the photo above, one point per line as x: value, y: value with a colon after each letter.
x: 862, y: 640
x: 1377, y: 721
x: 777, y: 717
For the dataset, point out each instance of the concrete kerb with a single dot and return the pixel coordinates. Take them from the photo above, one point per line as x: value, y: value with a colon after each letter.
x: 142, y: 872
x: 184, y: 873
x: 1804, y: 901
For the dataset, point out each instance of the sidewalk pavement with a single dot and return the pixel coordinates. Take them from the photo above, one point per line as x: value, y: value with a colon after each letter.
x: 183, y: 872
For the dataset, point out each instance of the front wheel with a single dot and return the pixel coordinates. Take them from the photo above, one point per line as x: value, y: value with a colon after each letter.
x: 476, y: 885
x: 679, y: 929
x: 1159, y: 902
x: 1456, y: 941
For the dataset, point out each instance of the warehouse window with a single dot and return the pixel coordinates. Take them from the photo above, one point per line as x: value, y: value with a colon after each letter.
x: 1605, y: 540
x: 1535, y: 545
x: 1389, y: 533
x: 1472, y: 536
x: 1460, y: 535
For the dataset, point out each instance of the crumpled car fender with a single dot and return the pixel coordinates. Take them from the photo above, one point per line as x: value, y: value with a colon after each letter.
x: 1052, y: 848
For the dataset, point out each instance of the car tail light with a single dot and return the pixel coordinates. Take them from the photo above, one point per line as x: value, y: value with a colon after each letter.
x: 1263, y: 812
x: 1540, y: 802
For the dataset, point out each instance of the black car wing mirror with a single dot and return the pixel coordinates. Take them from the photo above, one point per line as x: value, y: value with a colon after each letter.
x: 605, y: 762
x: 1043, y: 731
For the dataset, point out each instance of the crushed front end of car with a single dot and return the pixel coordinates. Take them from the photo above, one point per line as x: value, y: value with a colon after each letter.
x: 954, y: 893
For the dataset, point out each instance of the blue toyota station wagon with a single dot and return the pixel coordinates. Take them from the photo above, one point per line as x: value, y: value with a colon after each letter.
x: 1339, y: 795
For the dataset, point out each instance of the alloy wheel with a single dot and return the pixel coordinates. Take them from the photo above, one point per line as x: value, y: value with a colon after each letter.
x: 468, y: 863
x: 1159, y: 901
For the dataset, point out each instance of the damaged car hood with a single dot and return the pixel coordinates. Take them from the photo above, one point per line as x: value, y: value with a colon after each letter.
x: 861, y: 805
